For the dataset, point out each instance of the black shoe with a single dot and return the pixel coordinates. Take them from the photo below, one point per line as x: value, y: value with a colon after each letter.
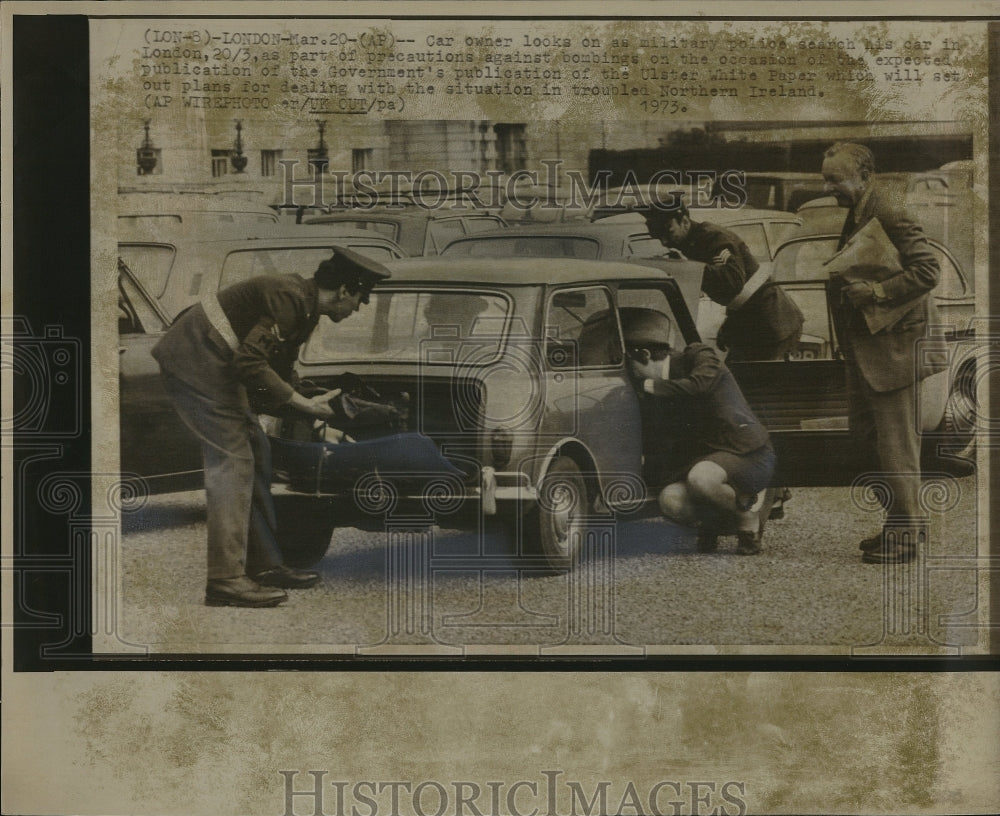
x: 749, y: 543
x: 708, y: 541
x: 287, y: 577
x: 871, y: 543
x: 778, y: 508
x: 241, y: 591
x: 897, y: 554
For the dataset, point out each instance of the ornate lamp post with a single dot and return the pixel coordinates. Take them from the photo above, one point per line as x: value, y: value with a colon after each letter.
x: 236, y: 157
x: 145, y: 156
x: 319, y: 156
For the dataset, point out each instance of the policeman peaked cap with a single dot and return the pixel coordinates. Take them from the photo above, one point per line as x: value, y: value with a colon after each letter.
x: 645, y: 327
x: 351, y: 269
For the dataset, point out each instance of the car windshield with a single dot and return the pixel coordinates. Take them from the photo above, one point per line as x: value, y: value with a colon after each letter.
x: 441, y: 327
x: 531, y: 246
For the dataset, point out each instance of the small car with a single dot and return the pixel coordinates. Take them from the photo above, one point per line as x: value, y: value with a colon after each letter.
x: 418, y: 231
x: 509, y: 404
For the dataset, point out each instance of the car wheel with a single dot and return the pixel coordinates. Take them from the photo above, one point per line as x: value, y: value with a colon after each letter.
x: 305, y: 525
x: 553, y: 525
x: 960, y: 412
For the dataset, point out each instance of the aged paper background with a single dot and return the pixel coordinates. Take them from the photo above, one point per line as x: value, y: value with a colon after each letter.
x: 783, y: 742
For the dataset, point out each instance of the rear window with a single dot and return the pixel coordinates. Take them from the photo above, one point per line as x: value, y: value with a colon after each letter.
x: 150, y: 263
x: 244, y: 264
x: 483, y: 224
x: 389, y: 229
x: 541, y: 246
x: 430, y: 327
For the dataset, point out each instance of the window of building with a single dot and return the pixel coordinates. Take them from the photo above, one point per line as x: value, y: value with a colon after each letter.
x: 140, y: 160
x: 220, y: 163
x: 361, y: 158
x: 512, y: 151
x: 269, y: 162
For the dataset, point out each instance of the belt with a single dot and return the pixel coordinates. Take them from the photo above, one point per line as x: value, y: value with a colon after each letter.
x: 219, y: 321
x: 757, y: 280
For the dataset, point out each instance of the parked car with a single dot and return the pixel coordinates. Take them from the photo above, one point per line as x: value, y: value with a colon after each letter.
x: 156, y: 280
x: 181, y: 265
x: 416, y: 230
x: 780, y: 190
x: 625, y: 236
x: 514, y: 404
x: 171, y: 206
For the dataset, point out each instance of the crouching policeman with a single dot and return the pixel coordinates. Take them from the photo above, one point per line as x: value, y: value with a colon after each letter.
x: 222, y: 361
x: 728, y: 452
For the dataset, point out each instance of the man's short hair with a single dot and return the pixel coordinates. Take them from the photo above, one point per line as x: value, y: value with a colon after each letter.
x: 863, y: 158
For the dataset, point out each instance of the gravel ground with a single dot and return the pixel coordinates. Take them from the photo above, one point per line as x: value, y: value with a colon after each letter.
x: 808, y: 591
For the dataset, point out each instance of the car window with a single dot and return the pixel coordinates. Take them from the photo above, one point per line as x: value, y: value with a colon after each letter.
x: 818, y: 340
x: 440, y: 232
x: 135, y: 313
x: 482, y: 224
x: 389, y: 229
x: 249, y: 263
x: 753, y: 236
x: 150, y: 263
x: 581, y: 330
x: 440, y: 327
x: 646, y: 246
x: 803, y: 260
x: 952, y: 283
x: 376, y: 253
x: 154, y: 220
x: 780, y: 231
x: 651, y: 298
x: 529, y: 246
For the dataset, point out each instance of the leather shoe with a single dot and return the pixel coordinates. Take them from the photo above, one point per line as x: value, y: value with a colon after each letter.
x: 708, y: 541
x: 287, y: 577
x: 896, y: 554
x: 241, y: 591
x: 748, y: 543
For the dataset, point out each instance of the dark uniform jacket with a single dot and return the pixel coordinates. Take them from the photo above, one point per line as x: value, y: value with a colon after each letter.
x: 269, y: 316
x: 769, y: 316
x: 888, y: 359
x: 714, y: 410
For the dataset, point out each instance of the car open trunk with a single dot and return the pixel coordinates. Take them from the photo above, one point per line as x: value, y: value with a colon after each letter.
x: 431, y: 438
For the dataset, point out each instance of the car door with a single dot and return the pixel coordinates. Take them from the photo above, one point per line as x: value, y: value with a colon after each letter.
x: 155, y: 443
x: 588, y: 396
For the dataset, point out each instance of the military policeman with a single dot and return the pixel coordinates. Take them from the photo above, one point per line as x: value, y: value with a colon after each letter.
x: 762, y: 322
x: 226, y: 359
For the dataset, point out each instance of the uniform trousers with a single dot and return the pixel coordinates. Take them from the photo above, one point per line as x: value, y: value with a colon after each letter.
x: 237, y: 459
x: 884, y: 425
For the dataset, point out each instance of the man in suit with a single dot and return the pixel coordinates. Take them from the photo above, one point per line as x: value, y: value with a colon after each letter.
x: 883, y: 368
x: 762, y: 322
x: 223, y: 361
x: 725, y: 453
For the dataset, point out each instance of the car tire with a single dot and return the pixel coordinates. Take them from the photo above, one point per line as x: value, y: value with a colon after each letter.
x: 305, y: 525
x: 553, y: 525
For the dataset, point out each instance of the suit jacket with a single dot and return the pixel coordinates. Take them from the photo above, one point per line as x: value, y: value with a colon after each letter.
x: 716, y: 414
x: 271, y: 316
x: 891, y: 358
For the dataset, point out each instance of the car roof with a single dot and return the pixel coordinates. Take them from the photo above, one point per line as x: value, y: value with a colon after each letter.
x: 516, y: 271
x: 398, y: 215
